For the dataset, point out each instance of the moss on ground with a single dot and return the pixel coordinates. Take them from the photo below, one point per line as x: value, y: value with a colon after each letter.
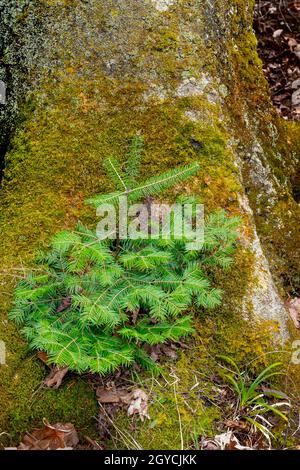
x: 186, y: 403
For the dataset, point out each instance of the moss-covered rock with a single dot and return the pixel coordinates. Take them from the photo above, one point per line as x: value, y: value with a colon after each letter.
x: 189, y: 79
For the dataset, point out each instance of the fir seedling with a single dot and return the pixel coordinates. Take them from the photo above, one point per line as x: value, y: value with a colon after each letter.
x: 126, y: 181
x: 94, y: 305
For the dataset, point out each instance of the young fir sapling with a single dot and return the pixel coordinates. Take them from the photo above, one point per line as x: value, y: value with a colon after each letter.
x: 93, y: 305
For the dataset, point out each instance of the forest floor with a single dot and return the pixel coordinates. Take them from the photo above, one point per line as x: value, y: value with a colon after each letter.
x: 277, y: 25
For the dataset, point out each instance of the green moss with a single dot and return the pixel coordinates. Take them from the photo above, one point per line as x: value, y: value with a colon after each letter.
x: 53, y: 165
x: 25, y: 402
x: 184, y: 400
x: 254, y: 120
x: 164, y: 40
x: 85, y: 112
x: 177, y: 412
x: 68, y: 404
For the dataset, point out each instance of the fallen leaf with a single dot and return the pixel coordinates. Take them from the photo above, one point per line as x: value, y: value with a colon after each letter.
x: 136, y: 399
x: 169, y: 352
x: 293, y: 306
x: 296, y: 84
x: 241, y: 425
x: 209, y: 445
x: 155, y: 352
x: 50, y: 437
x: 66, y: 303
x: 277, y: 33
x: 297, y: 51
x: 292, y: 43
x: 279, y: 49
x: 55, y: 377
x: 113, y: 396
x: 43, y: 357
x: 139, y: 404
x: 296, y: 97
x: 228, y: 441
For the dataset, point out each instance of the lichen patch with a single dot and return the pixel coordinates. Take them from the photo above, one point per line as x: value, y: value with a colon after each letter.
x: 163, y: 5
x: 262, y: 294
x: 192, y: 86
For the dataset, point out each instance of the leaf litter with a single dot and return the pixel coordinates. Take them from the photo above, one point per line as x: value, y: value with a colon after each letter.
x: 277, y: 28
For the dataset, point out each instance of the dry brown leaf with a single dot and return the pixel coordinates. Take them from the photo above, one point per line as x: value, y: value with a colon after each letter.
x: 240, y: 425
x: 66, y: 303
x: 113, y: 396
x: 139, y: 404
x: 277, y: 33
x: 292, y: 43
x: 55, y: 377
x: 228, y: 441
x: 293, y: 306
x: 279, y: 49
x: 43, y: 357
x: 209, y: 445
x: 297, y: 51
x: 136, y: 399
x: 296, y: 84
x: 50, y: 437
x: 169, y: 352
x: 155, y: 352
